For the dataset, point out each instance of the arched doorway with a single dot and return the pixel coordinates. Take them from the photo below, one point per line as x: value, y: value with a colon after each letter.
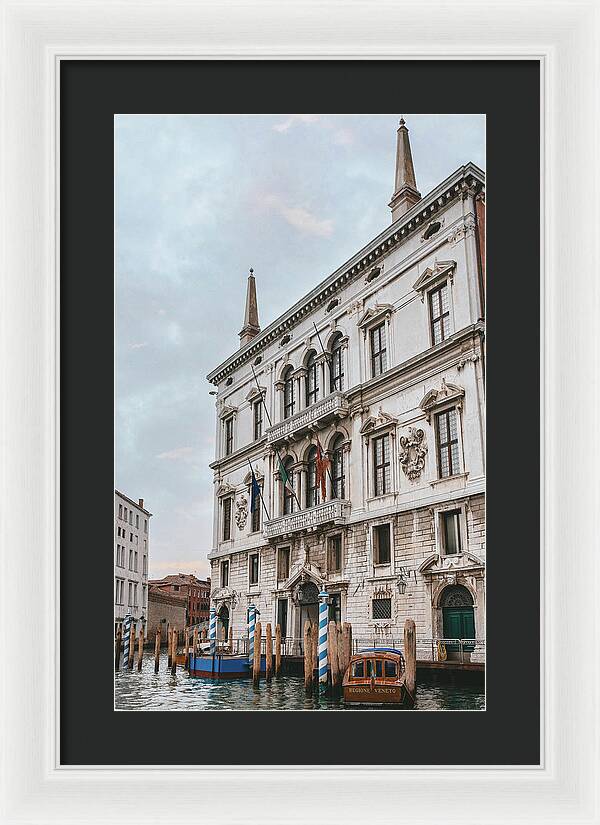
x: 308, y: 600
x: 223, y: 623
x: 458, y: 616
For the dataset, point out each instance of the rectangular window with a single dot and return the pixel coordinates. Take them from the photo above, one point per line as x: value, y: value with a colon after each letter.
x: 131, y: 537
x: 358, y: 670
x: 120, y: 511
x: 382, y: 608
x: 381, y: 465
x: 283, y: 563
x: 447, y: 443
x: 439, y: 314
x: 131, y: 559
x: 282, y: 612
x: 226, y: 519
x: 378, y: 351
x: 334, y: 558
x: 125, y: 511
x: 130, y: 595
x: 391, y: 670
x: 256, y: 515
x: 335, y: 608
x: 135, y: 601
x: 381, y: 544
x: 117, y: 589
x: 451, y: 532
x: 225, y: 573
x: 145, y: 525
x: 229, y: 435
x: 253, y: 568
x: 258, y: 419
x: 145, y: 563
x: 135, y: 562
x: 289, y: 396
x: 337, y: 369
x: 131, y: 517
x: 137, y: 522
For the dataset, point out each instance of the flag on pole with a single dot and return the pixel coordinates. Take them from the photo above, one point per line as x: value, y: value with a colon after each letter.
x: 285, y: 478
x: 323, y: 465
x: 254, y: 492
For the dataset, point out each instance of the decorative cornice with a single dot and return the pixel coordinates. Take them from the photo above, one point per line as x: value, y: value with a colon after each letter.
x: 468, y: 177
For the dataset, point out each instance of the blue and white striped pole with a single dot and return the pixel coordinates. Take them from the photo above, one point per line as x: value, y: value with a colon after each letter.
x: 323, y: 617
x: 212, y: 631
x: 251, y: 629
x: 126, y: 633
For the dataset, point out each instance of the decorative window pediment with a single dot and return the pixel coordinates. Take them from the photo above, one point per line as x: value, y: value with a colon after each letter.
x: 258, y: 474
x: 255, y: 393
x: 226, y: 411
x: 375, y: 314
x: 442, y: 564
x: 225, y: 489
x: 432, y: 276
x: 375, y: 423
x: 437, y: 398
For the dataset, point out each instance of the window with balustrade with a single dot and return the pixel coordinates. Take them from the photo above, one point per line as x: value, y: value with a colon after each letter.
x: 338, y: 478
x: 289, y: 500
x: 336, y: 364
x: 312, y: 488
x: 289, y: 394
x: 312, y: 380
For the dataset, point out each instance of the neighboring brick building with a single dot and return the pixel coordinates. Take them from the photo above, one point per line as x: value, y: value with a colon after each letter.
x: 397, y: 402
x: 164, y: 609
x: 195, y: 592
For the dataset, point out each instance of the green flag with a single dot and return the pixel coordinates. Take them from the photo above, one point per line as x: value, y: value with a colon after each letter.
x: 285, y: 478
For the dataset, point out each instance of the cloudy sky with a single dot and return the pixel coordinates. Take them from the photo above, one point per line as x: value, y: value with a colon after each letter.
x: 199, y: 200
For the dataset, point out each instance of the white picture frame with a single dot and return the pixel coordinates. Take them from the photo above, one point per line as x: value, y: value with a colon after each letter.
x: 564, y: 37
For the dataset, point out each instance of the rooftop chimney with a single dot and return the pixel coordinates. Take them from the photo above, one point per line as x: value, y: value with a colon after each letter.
x: 405, y: 194
x: 141, y: 502
x: 251, y: 326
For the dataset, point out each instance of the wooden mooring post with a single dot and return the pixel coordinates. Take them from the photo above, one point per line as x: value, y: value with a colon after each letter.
x: 186, y: 637
x: 308, y: 658
x: 131, y: 646
x: 156, y: 650
x: 346, y: 646
x: 174, y: 653
x: 410, y: 658
x: 256, y: 660
x: 140, y: 648
x: 277, y: 650
x: 332, y: 655
x: 118, y: 643
x: 169, y: 645
x: 230, y: 640
x: 268, y: 653
x: 195, y: 643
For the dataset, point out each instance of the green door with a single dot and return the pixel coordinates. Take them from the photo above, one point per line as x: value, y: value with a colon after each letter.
x: 459, y: 623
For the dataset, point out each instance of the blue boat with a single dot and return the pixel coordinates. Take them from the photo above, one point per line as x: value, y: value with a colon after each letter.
x: 223, y: 666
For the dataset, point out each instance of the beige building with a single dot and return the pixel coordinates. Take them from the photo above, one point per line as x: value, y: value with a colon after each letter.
x: 381, y: 366
x: 132, y: 547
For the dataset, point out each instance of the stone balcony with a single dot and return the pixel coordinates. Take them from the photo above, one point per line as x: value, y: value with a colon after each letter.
x: 330, y: 512
x: 316, y: 416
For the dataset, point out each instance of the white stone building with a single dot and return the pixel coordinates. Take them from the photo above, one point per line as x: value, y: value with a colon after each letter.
x: 398, y: 404
x: 132, y: 547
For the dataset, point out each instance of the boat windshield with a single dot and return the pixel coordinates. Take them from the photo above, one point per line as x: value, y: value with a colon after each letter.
x: 380, y: 668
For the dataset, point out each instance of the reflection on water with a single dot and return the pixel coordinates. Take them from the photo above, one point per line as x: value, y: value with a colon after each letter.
x: 161, y: 691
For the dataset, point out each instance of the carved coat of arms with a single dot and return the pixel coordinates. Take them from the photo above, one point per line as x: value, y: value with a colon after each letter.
x: 413, y: 450
x: 241, y: 512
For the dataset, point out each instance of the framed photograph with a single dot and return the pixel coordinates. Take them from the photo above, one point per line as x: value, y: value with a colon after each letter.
x: 299, y: 327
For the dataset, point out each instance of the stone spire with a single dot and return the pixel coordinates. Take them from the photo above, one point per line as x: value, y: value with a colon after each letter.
x: 405, y: 194
x: 251, y: 326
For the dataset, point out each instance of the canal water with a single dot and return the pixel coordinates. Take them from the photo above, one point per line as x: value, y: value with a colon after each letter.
x: 162, y: 691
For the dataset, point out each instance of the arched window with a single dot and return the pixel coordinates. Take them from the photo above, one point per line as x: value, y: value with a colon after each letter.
x: 336, y: 368
x: 288, y: 497
x: 312, y: 489
x: 312, y: 382
x: 338, y: 477
x: 289, y: 398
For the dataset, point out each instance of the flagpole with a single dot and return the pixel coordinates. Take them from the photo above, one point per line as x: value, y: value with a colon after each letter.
x: 262, y: 500
x: 262, y: 400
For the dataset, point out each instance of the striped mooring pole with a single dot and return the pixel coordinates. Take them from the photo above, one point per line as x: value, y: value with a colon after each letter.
x: 251, y: 629
x: 323, y: 617
x: 212, y: 630
x: 126, y: 633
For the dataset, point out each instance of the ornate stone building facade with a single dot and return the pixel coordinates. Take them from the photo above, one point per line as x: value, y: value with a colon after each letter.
x: 397, y: 402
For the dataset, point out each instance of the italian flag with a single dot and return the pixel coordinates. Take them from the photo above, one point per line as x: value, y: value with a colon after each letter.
x: 285, y: 478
